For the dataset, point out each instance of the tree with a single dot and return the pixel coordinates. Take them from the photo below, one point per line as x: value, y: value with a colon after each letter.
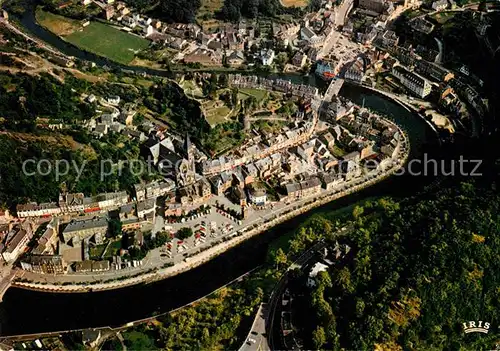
x: 114, y: 228
x: 138, y: 341
x: 280, y: 258
x: 234, y: 97
x: 205, y: 336
x: 184, y: 233
x: 180, y: 10
x: 138, y: 119
x: 318, y: 337
x: 223, y: 81
x: 281, y: 60
x: 357, y: 212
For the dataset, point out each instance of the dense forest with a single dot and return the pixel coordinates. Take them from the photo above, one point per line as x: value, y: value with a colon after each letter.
x: 183, y: 114
x: 24, y: 99
x: 183, y: 11
x: 416, y: 271
x: 18, y: 186
x: 234, y: 10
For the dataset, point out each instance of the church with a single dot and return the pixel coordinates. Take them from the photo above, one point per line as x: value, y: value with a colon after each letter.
x: 174, y: 159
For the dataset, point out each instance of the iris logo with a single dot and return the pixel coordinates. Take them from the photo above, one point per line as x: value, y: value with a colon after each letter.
x: 476, y: 327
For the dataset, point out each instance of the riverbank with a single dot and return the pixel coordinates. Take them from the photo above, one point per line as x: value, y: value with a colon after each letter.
x: 236, y: 239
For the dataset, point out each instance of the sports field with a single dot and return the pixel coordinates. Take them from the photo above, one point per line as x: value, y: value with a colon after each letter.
x: 296, y: 3
x: 107, y: 41
x: 59, y: 25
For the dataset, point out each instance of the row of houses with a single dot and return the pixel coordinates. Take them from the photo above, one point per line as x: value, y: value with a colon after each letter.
x: 254, y: 152
x: 73, y: 203
x: 281, y: 85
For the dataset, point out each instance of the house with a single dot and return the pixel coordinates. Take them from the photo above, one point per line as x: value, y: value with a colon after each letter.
x: 109, y: 12
x: 352, y: 156
x: 215, y: 45
x: 310, y: 186
x: 45, y: 264
x: 221, y: 183
x: 153, y: 190
x: 47, y: 244
x: 129, y: 21
x: 331, y: 180
x: 5, y: 216
x: 113, y: 100
x: 257, y: 194
x: 389, y: 39
x: 237, y: 58
x: 328, y: 139
x: 177, y: 43
x: 127, y: 114
x: 156, y: 24
x: 267, y: 57
x: 307, y: 33
x: 439, y: 5
x: 299, y: 59
x: 124, y: 11
x: 100, y: 130
x: 204, y: 57
x: 91, y: 337
x: 17, y: 244
x: 378, y: 6
x: 149, y: 30
x: 317, y: 268
x: 292, y: 190
x: 107, y: 119
x: 146, y: 208
x: 91, y: 98
x: 433, y: 71
x: 195, y: 194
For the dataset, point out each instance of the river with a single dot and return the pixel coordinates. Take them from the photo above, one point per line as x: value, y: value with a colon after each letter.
x: 24, y: 311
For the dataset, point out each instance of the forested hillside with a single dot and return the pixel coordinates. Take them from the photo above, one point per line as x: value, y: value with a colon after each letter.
x: 417, y: 270
x: 28, y: 104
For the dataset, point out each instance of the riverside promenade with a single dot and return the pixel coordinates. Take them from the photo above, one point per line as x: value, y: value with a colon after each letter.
x: 284, y: 214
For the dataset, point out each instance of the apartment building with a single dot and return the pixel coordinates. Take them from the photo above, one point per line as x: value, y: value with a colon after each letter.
x: 37, y: 210
x: 17, y: 244
x: 412, y: 81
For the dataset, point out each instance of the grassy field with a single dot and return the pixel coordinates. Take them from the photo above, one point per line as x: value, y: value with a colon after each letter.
x: 59, y: 25
x: 296, y: 3
x: 443, y: 17
x: 337, y: 151
x: 97, y: 251
x: 209, y: 7
x: 206, y: 15
x: 217, y: 115
x: 191, y: 89
x: 113, y: 248
x: 259, y: 94
x: 108, y: 41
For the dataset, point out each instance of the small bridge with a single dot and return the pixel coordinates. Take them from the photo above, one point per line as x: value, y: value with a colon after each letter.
x: 333, y: 89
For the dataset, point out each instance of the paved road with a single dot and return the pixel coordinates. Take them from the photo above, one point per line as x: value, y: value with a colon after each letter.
x: 280, y: 286
x: 256, y: 339
x: 342, y: 11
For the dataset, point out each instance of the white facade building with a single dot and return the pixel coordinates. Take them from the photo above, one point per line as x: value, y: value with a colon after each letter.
x: 414, y: 82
